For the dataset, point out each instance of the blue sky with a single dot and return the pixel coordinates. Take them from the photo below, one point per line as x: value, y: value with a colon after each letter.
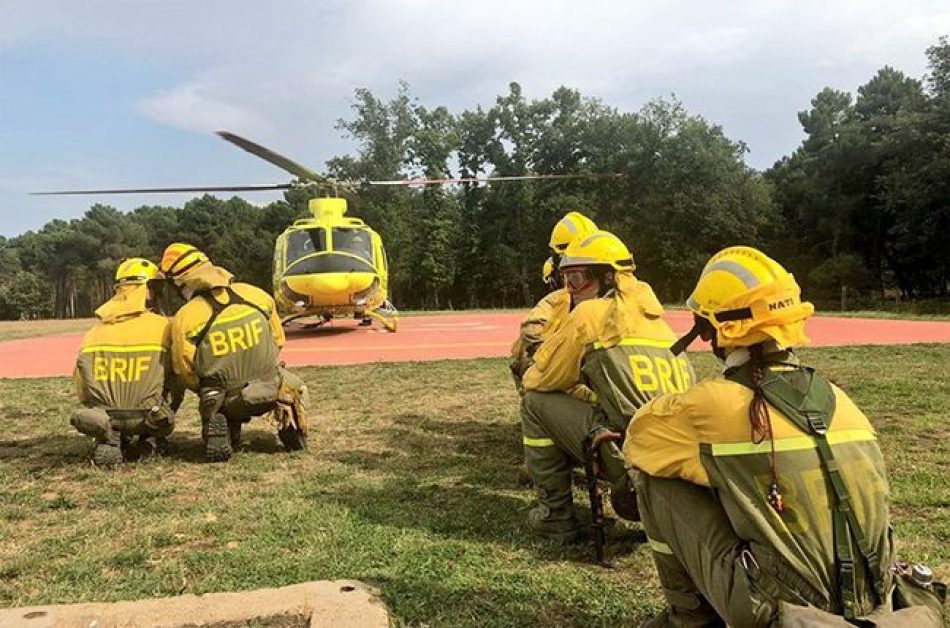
x: 125, y: 93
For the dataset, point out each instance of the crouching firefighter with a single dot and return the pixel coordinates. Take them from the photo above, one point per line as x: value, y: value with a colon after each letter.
x: 546, y: 316
x: 123, y: 373
x: 763, y: 492
x: 615, y: 342
x: 225, y: 345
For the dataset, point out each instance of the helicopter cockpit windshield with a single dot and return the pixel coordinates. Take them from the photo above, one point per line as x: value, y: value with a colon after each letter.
x: 355, y: 241
x: 304, y: 242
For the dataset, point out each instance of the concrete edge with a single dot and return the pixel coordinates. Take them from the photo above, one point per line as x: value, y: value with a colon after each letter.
x: 337, y: 603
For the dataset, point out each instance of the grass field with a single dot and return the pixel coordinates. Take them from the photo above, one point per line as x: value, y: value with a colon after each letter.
x: 12, y: 330
x: 409, y: 484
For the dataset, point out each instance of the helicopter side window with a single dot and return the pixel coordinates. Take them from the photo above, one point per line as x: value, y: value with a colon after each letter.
x: 355, y: 241
x: 304, y: 242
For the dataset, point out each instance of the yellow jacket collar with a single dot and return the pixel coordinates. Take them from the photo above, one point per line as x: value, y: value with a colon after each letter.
x: 631, y: 302
x: 129, y: 300
x: 205, y: 277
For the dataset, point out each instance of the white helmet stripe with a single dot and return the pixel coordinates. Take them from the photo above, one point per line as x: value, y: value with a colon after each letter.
x: 736, y: 270
x: 578, y: 261
x: 594, y: 237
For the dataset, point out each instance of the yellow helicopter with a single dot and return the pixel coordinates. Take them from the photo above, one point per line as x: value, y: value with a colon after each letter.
x: 328, y: 265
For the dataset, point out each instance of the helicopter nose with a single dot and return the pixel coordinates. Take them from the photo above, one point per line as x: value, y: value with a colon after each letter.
x: 330, y: 288
x: 330, y: 283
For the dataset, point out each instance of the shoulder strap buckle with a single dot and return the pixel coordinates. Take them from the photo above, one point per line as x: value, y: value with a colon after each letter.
x: 816, y: 423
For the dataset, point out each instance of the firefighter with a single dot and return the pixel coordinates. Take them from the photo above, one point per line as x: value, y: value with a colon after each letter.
x: 225, y: 345
x: 123, y: 374
x: 615, y: 342
x: 546, y: 316
x: 766, y: 485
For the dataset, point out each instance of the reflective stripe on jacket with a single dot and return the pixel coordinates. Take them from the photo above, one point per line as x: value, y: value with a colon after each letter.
x: 544, y: 320
x: 617, y: 345
x: 122, y: 364
x: 703, y: 436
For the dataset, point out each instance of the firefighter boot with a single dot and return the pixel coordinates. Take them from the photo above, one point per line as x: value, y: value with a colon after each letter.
x: 217, y: 439
x: 234, y: 429
x: 561, y: 525
x: 108, y: 452
x: 147, y: 447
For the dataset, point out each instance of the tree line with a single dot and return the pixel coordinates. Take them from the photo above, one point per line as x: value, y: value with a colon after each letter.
x: 861, y: 207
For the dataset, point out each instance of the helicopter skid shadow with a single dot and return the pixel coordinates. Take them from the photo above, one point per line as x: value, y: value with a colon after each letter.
x: 318, y: 331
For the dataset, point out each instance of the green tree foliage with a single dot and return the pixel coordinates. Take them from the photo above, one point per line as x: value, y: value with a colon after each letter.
x: 862, y: 205
x: 870, y: 183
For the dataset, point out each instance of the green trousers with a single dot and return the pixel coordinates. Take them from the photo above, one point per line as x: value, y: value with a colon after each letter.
x: 554, y: 426
x: 708, y: 576
x: 97, y: 423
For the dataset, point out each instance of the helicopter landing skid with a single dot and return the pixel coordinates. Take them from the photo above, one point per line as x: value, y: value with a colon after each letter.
x: 387, y: 315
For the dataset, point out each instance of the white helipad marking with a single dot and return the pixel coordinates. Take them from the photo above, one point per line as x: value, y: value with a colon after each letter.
x: 449, y: 329
x: 413, y: 347
x: 435, y: 325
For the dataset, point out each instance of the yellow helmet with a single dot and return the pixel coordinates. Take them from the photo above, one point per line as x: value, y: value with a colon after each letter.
x: 549, y: 274
x: 179, y: 258
x: 599, y: 248
x: 136, y: 270
x: 573, y: 225
x: 749, y: 298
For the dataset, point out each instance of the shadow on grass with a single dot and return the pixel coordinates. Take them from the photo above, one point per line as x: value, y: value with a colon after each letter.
x: 46, y: 452
x: 457, y: 479
x: 191, y: 448
x: 486, y: 454
x: 503, y: 602
x: 62, y: 450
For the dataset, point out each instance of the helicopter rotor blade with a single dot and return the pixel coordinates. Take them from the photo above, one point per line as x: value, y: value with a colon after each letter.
x: 275, y: 158
x: 525, y: 177
x: 213, y: 188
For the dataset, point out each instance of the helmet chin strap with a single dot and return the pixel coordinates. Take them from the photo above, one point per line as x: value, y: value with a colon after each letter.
x: 700, y: 325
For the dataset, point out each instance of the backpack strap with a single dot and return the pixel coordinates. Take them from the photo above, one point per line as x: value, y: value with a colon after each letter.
x: 217, y: 308
x: 808, y: 400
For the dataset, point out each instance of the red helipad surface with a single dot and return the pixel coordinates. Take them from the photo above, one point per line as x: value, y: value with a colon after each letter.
x: 440, y: 337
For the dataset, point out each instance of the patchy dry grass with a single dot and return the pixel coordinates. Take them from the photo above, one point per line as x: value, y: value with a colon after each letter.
x: 12, y: 330
x: 409, y: 484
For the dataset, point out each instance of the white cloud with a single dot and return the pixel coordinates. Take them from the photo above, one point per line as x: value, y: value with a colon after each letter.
x: 194, y: 107
x: 286, y: 70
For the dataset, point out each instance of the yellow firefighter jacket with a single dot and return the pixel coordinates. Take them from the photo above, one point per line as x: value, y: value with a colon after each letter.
x: 123, y: 361
x: 618, y: 346
x: 703, y: 436
x: 543, y: 320
x: 242, y: 343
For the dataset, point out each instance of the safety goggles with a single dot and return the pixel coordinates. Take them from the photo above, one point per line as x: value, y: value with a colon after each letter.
x: 576, y: 279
